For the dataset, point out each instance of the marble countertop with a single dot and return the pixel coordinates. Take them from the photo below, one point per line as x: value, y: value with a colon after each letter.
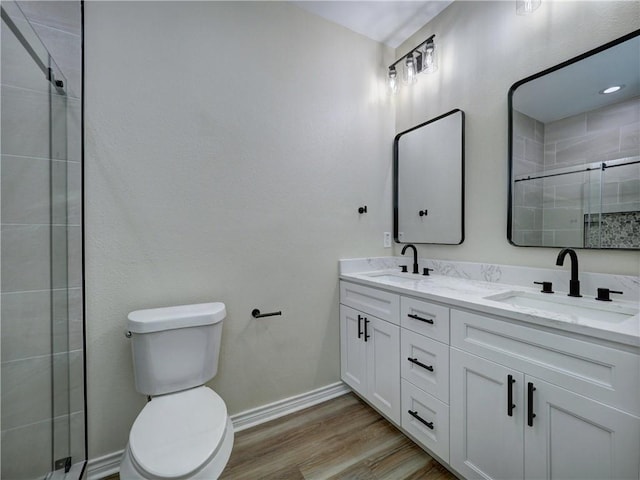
x: 472, y: 294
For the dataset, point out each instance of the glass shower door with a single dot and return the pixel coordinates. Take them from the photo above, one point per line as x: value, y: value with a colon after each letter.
x: 42, y: 376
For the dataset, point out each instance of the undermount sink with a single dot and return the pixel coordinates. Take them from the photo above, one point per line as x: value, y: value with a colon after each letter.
x: 562, y: 304
x: 395, y: 277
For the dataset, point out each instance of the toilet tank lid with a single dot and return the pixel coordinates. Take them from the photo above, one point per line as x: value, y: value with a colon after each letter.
x: 169, y: 318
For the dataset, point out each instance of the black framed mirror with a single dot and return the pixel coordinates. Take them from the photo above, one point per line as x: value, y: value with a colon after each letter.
x: 574, y: 152
x: 429, y: 181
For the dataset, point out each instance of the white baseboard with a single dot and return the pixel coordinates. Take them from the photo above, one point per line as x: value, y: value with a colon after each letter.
x: 101, y: 467
x: 256, y: 416
x: 98, y: 468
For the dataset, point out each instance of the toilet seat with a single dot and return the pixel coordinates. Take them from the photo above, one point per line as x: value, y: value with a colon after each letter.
x: 176, y: 434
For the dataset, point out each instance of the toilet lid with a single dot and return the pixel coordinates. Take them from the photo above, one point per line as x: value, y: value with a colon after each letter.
x: 175, y: 434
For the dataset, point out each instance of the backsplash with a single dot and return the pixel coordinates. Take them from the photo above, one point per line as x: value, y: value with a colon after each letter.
x: 505, y: 274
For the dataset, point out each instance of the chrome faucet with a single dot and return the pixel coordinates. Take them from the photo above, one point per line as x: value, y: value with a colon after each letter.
x: 415, y: 256
x: 574, y: 283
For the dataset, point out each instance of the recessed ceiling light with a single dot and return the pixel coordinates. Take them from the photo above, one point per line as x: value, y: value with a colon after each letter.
x: 612, y: 89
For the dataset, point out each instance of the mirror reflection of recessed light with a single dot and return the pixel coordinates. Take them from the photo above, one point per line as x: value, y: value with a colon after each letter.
x: 612, y: 89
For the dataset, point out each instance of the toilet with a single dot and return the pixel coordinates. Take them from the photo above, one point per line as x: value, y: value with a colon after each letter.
x: 184, y: 431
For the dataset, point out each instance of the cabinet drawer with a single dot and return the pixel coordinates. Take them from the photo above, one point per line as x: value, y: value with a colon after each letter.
x: 431, y: 429
x: 376, y: 302
x: 602, y: 373
x: 425, y: 318
x: 425, y: 363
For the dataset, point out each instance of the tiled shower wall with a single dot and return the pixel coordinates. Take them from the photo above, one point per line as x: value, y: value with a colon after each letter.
x: 29, y: 335
x: 550, y: 211
x: 528, y: 159
x: 603, y: 134
x: 608, y: 133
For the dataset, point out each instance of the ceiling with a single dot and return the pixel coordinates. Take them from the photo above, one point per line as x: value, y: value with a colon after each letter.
x: 575, y: 88
x: 388, y: 22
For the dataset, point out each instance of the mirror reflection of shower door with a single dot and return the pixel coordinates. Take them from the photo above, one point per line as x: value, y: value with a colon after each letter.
x: 42, y: 391
x: 592, y: 208
x: 612, y: 210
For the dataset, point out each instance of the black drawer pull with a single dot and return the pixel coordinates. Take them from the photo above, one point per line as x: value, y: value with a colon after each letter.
x: 416, y: 317
x: 420, y: 364
x: 366, y: 330
x: 421, y: 420
x: 510, y: 404
x: 359, y: 326
x: 530, y: 414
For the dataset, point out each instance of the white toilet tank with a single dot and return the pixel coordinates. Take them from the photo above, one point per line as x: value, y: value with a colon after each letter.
x: 175, y: 348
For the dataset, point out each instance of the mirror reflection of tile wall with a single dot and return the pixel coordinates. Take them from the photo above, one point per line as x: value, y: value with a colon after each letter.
x: 528, y: 159
x: 566, y: 210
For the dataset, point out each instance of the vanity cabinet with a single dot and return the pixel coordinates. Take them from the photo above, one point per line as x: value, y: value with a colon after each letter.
x: 491, y: 396
x: 370, y: 347
x: 512, y: 401
x: 395, y: 354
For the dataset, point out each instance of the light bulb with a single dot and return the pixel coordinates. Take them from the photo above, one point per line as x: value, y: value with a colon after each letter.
x: 611, y: 89
x: 430, y: 60
x: 393, y: 80
x: 525, y: 7
x: 410, y: 70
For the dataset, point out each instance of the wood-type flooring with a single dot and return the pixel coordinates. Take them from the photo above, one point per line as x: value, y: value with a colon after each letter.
x: 342, y: 438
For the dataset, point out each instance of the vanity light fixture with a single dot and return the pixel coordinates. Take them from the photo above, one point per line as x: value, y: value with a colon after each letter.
x: 611, y: 89
x: 410, y: 70
x: 393, y: 80
x: 422, y: 59
x: 525, y: 7
x: 430, y: 62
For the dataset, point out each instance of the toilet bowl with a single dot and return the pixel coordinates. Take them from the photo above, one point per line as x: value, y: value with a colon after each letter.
x: 184, y: 431
x: 179, y: 435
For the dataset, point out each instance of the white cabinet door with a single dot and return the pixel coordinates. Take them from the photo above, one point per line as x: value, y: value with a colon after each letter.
x: 370, y: 360
x: 383, y: 366
x: 573, y: 437
x: 353, y: 353
x: 486, y: 441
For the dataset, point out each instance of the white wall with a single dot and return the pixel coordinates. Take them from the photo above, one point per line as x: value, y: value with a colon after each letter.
x: 485, y: 48
x: 228, y: 148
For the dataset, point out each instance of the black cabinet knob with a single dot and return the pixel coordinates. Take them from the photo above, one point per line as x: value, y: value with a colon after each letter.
x: 362, y: 210
x: 423, y: 213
